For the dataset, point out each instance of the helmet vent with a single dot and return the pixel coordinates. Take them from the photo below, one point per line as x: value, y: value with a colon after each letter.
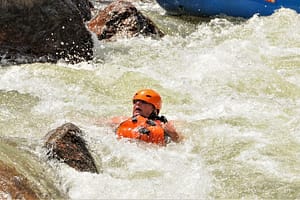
x: 148, y: 95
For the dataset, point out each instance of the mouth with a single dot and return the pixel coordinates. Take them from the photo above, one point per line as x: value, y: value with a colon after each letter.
x: 138, y: 110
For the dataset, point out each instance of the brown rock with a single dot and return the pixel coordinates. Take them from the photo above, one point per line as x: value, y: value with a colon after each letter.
x: 14, y: 185
x: 44, y: 31
x: 23, y: 175
x: 122, y: 19
x: 66, y: 144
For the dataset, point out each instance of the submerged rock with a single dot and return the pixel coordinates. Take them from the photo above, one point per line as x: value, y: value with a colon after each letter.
x: 66, y: 144
x: 23, y: 175
x: 13, y: 185
x: 122, y: 19
x: 44, y: 31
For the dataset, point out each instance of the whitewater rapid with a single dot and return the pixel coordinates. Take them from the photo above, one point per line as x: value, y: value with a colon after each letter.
x: 231, y: 85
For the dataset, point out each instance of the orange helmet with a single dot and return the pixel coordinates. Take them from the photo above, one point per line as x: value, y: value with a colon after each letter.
x: 149, y: 96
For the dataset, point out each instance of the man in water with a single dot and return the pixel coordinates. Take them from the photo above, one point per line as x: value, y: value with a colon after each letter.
x: 145, y: 123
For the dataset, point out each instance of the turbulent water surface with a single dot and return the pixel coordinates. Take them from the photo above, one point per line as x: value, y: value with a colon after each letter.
x: 231, y: 85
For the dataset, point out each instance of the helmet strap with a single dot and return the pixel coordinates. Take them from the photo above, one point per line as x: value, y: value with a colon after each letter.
x: 154, y: 116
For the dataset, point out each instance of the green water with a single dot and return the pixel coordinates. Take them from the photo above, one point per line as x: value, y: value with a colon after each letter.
x: 231, y: 86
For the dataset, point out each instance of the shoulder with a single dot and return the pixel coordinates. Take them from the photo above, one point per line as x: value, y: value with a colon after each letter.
x: 113, y: 121
x: 118, y: 119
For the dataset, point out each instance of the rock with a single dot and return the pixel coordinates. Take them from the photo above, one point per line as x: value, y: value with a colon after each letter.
x: 66, y: 144
x: 121, y: 19
x: 13, y: 185
x: 84, y: 6
x: 23, y: 175
x: 44, y: 31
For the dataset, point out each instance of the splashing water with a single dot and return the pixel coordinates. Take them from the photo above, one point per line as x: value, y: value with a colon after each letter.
x: 231, y: 85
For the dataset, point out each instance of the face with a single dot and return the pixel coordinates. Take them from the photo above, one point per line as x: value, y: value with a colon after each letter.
x: 142, y: 108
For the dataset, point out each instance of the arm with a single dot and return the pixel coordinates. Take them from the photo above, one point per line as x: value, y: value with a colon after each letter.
x: 171, y: 131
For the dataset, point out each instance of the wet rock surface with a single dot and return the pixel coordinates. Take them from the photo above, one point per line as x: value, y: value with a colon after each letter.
x: 121, y: 19
x: 66, y: 144
x: 13, y: 185
x: 24, y: 175
x: 44, y: 31
x: 48, y: 30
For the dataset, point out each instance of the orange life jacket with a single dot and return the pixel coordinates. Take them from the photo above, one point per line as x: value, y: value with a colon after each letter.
x: 141, y: 128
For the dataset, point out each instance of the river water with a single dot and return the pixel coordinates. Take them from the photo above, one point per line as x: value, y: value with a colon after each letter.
x: 231, y: 85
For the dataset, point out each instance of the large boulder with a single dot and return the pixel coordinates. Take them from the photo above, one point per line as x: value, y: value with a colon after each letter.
x: 66, y: 144
x: 121, y: 19
x: 84, y: 7
x: 45, y: 31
